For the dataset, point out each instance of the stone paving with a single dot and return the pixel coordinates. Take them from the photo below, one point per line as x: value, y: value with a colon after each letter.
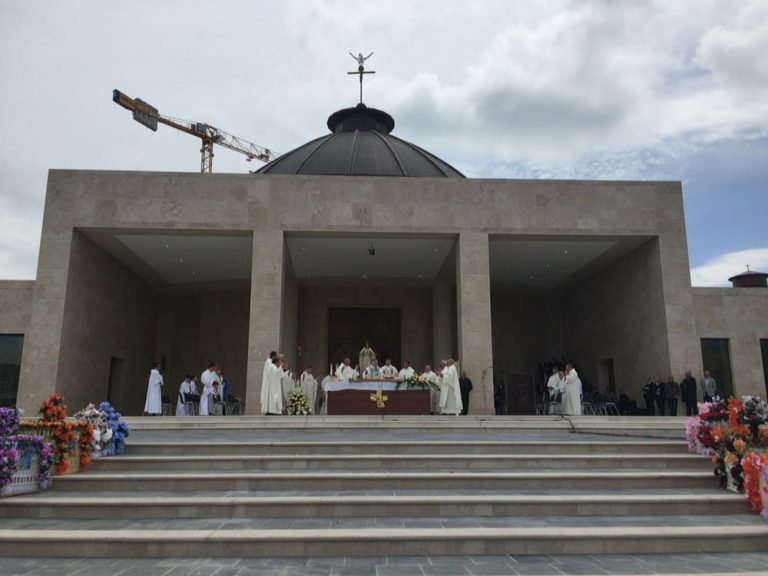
x: 722, y: 563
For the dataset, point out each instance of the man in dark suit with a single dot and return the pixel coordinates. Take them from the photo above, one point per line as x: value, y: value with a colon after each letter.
x: 465, y: 385
x: 688, y: 389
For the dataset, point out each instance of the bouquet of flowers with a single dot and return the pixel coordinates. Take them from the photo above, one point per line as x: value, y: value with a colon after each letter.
x: 756, y: 482
x: 120, y: 430
x: 53, y: 409
x: 102, y: 433
x: 28, y: 446
x: 754, y: 415
x: 297, y: 403
x: 419, y: 381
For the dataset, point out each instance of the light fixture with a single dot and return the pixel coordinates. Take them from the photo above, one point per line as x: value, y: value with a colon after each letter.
x: 565, y: 251
x: 372, y: 250
x: 181, y: 260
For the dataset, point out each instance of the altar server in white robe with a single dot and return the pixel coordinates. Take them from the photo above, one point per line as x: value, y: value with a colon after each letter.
x: 309, y: 385
x: 388, y: 371
x: 267, y: 364
x: 272, y: 388
x: 288, y: 382
x: 184, y: 389
x: 553, y: 388
x: 207, y: 378
x: 450, y: 392
x: 572, y: 391
x: 345, y: 372
x: 406, y: 372
x: 153, y: 406
x: 434, y: 393
x: 373, y: 372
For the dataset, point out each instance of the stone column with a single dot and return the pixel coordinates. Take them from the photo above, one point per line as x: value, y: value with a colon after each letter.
x: 474, y: 318
x: 266, y: 310
x: 442, y: 322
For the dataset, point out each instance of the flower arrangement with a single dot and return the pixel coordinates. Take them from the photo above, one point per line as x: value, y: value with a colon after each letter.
x: 9, y: 422
x: 297, y: 403
x: 102, y: 433
x: 756, y: 482
x: 418, y: 381
x: 53, y: 409
x: 119, y: 429
x: 29, y: 445
x: 9, y: 461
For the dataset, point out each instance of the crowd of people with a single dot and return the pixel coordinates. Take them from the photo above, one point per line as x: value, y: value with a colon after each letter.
x: 450, y: 394
x: 661, y: 396
x: 211, y: 400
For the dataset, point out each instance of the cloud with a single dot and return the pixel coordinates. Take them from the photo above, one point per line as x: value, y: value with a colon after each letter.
x: 715, y: 272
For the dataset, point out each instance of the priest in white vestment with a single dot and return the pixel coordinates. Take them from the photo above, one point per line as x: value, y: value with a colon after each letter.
x: 373, y: 372
x: 572, y: 392
x: 345, y: 372
x: 153, y: 406
x: 309, y: 386
x: 267, y: 363
x: 553, y: 389
x: 406, y: 372
x: 272, y: 388
x: 450, y: 392
x: 434, y: 393
x: 388, y: 371
x: 366, y: 357
x: 207, y: 379
x: 287, y: 382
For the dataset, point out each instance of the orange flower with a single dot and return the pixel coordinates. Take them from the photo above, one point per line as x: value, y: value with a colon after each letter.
x: 739, y: 445
x: 731, y: 458
x: 715, y: 459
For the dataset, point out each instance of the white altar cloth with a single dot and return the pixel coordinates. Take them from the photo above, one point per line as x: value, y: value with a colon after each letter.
x: 331, y: 386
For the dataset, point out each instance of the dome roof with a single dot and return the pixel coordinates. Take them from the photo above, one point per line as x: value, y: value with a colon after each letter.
x: 360, y: 144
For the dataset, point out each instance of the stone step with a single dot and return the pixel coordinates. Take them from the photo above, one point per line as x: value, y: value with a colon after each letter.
x: 361, y: 480
x: 423, y: 537
x: 402, y: 447
x: 618, y: 424
x: 394, y: 462
x: 350, y: 505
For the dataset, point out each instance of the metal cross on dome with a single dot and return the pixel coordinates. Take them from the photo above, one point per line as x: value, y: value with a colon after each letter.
x: 360, y: 59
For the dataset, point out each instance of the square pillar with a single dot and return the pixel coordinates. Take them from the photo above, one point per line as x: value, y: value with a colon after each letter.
x: 265, y: 311
x: 474, y: 318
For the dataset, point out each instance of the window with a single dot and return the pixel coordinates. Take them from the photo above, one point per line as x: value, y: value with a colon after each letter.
x: 716, y: 357
x: 10, y: 368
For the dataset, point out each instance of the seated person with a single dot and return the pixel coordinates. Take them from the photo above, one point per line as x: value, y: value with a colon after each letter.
x: 219, y: 408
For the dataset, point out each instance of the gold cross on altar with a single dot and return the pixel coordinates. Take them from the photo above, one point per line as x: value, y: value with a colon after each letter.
x: 379, y: 398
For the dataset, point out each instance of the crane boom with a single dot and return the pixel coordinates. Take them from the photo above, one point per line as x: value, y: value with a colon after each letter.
x: 209, y: 135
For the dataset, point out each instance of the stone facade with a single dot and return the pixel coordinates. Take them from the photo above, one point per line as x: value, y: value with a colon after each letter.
x: 649, y: 313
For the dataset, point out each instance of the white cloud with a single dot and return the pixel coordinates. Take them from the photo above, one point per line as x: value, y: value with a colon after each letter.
x: 715, y: 272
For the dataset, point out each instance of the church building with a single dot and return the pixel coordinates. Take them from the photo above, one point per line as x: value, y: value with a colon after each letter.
x: 359, y: 235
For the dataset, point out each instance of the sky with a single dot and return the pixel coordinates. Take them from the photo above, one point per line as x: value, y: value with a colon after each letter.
x: 588, y: 89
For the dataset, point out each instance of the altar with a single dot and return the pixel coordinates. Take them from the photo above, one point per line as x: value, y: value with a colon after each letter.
x: 372, y: 397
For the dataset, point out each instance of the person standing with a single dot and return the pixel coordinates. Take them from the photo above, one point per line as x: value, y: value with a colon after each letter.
x: 388, y: 371
x: 688, y: 388
x: 465, y: 384
x: 406, y: 372
x: 373, y: 372
x: 572, y: 391
x: 710, y: 387
x: 434, y: 391
x: 309, y: 385
x: 672, y: 390
x: 153, y: 406
x: 649, y: 395
x: 661, y: 396
x: 450, y: 392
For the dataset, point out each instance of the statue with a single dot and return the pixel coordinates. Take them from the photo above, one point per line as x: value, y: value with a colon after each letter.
x: 360, y: 59
x: 366, y: 355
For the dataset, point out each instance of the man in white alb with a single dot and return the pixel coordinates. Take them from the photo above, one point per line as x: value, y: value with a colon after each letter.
x: 406, y: 372
x: 153, y: 406
x: 207, y: 378
x: 450, y: 392
x: 388, y: 371
x: 272, y: 395
x: 309, y: 385
x: 366, y: 357
x: 373, y: 372
x: 434, y: 393
x: 288, y: 382
x: 572, y: 391
x: 345, y: 372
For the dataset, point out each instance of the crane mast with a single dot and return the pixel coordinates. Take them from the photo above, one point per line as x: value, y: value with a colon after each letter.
x: 148, y: 116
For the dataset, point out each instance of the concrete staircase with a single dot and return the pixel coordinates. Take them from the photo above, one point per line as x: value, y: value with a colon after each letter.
x: 332, y: 486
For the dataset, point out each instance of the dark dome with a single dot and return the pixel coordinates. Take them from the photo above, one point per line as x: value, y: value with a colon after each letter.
x: 360, y: 144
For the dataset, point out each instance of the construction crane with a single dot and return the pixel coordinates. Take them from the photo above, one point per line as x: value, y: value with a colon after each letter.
x: 148, y: 116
